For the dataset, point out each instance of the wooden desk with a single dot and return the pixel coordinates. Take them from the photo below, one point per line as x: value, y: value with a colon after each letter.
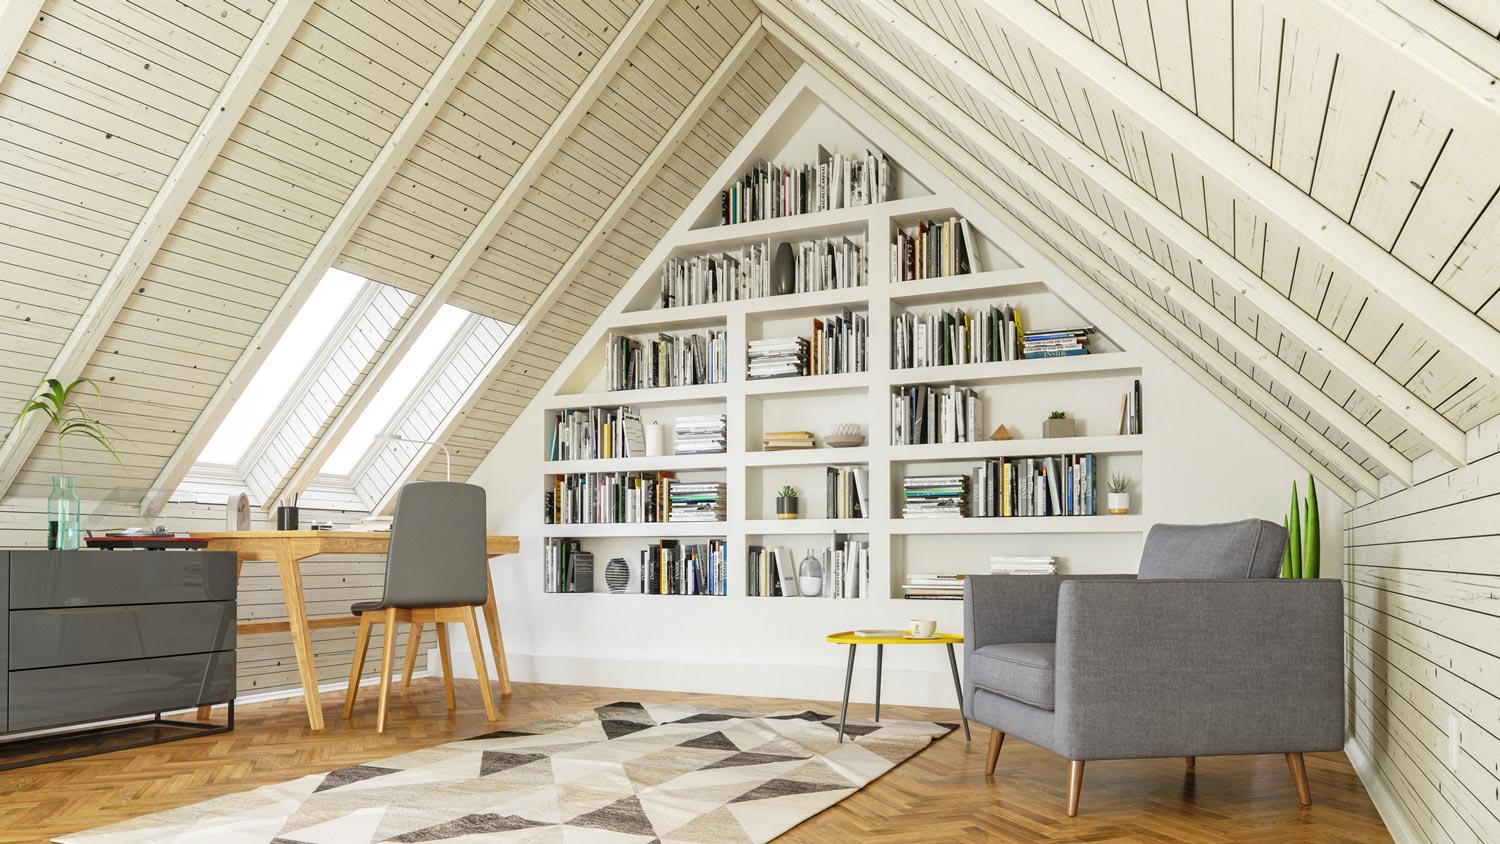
x: 290, y: 547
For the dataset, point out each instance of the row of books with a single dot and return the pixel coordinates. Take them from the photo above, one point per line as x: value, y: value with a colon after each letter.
x: 668, y: 361
x: 1023, y: 565
x: 933, y: 587
x: 833, y: 263
x: 838, y: 344
x: 979, y: 335
x: 779, y: 357
x: 1058, y: 485
x: 697, y: 501
x: 933, y: 249
x: 1130, y: 410
x: 744, y: 273
x: 923, y: 414
x: 847, y: 492
x: 597, y: 433
x: 1056, y: 342
x: 670, y: 567
x: 842, y: 571
x: 769, y: 191
x: 704, y: 434
x: 566, y: 567
x: 608, y: 498
x: 935, y: 497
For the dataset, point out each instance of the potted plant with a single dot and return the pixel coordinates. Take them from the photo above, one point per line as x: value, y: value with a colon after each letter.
x: 1057, y: 425
x: 66, y: 418
x: 1302, y: 554
x: 1119, y: 494
x: 786, y: 503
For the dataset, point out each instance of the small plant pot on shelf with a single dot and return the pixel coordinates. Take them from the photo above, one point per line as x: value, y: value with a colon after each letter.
x: 786, y: 506
x: 1054, y: 428
x: 1119, y: 503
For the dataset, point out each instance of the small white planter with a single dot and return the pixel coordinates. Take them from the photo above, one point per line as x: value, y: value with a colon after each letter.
x: 1119, y: 503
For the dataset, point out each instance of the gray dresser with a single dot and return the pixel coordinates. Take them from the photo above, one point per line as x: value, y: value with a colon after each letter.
x: 93, y: 635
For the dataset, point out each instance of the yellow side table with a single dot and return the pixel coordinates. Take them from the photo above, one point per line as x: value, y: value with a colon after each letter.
x: 853, y: 641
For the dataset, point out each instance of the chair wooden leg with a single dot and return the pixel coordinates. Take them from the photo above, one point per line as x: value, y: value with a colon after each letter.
x: 1192, y: 763
x: 471, y: 624
x: 442, y: 636
x: 1299, y: 777
x: 997, y: 739
x: 413, y: 643
x: 1075, y: 785
x: 387, y: 662
x: 361, y: 644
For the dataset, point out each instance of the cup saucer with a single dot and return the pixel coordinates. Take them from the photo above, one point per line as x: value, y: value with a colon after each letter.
x: 923, y: 638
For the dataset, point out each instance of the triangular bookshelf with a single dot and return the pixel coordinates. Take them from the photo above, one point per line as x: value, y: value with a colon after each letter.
x: 809, y: 114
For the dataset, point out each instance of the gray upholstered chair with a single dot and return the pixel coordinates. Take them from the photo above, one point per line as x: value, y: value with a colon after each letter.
x: 1203, y: 653
x: 434, y: 572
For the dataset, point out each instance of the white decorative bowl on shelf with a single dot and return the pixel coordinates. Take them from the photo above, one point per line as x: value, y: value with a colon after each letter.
x: 844, y: 436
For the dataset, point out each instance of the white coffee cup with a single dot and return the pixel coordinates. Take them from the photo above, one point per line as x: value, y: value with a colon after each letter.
x: 923, y: 628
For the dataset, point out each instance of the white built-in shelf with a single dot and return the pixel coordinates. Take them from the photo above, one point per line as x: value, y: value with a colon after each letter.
x: 643, y: 529
x: 778, y: 387
x: 814, y: 303
x: 808, y: 457
x: 695, y: 394
x: 1021, y: 524
x: 775, y: 527
x: 986, y: 449
x: 805, y: 226
x: 665, y: 462
x: 995, y: 284
x: 998, y: 371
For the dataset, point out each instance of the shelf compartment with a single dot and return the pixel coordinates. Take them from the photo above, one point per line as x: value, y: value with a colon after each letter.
x: 797, y: 527
x: 1020, y: 524
x: 822, y: 456
x: 695, y: 394
x: 802, y: 226
x: 983, y: 449
x: 717, y: 313
x: 639, y: 529
x: 665, y: 462
x: 809, y: 384
x: 958, y: 288
x: 1009, y: 370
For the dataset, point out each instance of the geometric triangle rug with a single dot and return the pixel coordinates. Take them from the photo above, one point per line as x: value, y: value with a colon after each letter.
x: 625, y: 773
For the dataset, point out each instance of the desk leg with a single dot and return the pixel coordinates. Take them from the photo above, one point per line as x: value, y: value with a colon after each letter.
x: 492, y: 625
x: 848, y: 679
x: 296, y: 612
x: 958, y: 687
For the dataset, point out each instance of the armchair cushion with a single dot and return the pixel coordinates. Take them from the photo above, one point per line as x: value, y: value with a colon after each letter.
x: 1249, y: 548
x: 1022, y: 672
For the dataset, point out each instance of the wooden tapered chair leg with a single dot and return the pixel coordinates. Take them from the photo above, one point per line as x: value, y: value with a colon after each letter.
x: 1299, y: 777
x: 387, y: 662
x: 444, y: 653
x: 471, y: 624
x: 413, y: 642
x: 1192, y: 763
x: 1075, y: 785
x: 997, y: 739
x: 361, y: 644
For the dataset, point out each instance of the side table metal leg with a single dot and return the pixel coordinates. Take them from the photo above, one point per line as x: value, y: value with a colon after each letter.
x: 879, y: 659
x: 959, y: 688
x: 848, y: 679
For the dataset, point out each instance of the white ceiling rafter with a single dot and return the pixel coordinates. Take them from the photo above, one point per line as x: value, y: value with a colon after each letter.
x: 1395, y: 398
x: 532, y: 321
x: 16, y: 18
x: 393, y: 153
x: 1026, y: 216
x: 480, y: 239
x: 219, y: 122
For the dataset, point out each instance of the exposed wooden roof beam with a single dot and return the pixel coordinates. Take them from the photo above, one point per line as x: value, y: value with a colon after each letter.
x: 181, y: 183
x: 16, y: 18
x: 591, y: 242
x: 475, y: 35
x: 479, y: 240
x: 1018, y: 211
x: 1353, y: 254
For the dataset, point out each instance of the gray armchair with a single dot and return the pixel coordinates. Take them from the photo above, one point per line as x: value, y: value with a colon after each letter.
x: 1202, y: 653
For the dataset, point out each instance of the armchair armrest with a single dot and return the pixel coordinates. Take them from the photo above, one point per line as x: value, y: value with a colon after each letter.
x: 1199, y: 667
x: 1001, y: 609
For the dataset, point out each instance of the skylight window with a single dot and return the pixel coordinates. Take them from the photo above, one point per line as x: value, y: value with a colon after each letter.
x: 398, y: 388
x: 288, y: 360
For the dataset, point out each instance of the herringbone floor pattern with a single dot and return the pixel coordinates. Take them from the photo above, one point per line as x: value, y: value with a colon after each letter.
x: 941, y: 795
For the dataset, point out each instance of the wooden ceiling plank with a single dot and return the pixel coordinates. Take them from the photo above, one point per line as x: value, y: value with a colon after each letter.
x: 333, y: 240
x: 1023, y: 216
x: 166, y: 207
x: 1235, y: 166
x: 623, y: 201
x: 480, y: 239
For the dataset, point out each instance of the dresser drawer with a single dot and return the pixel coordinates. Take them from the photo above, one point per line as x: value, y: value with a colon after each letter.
x: 50, y: 637
x: 45, y: 579
x: 48, y: 697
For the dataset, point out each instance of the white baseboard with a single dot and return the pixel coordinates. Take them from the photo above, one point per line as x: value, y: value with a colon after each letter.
x: 1397, y: 823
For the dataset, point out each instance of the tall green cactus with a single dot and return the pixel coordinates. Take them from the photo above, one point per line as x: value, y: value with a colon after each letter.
x: 1303, y: 539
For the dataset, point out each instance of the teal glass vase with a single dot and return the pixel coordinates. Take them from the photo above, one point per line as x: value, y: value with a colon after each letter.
x: 64, y: 532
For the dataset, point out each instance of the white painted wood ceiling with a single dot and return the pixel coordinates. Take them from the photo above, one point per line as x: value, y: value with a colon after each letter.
x: 1296, y: 196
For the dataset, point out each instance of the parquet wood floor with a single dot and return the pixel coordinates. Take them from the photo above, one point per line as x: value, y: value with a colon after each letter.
x: 939, y: 796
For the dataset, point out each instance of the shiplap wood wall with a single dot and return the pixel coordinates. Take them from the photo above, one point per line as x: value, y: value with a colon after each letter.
x: 1422, y: 577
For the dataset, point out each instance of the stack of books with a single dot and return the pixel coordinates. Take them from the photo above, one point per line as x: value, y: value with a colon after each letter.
x: 1057, y: 342
x: 924, y: 414
x: 1023, y: 565
x: 787, y: 440
x: 848, y: 492
x: 770, y: 191
x: 779, y: 357
x: 667, y: 361
x: 697, y: 501
x: 670, y: 567
x: 935, y: 497
x: 838, y: 344
x: 566, y: 567
x: 933, y: 587
x: 594, y: 498
x: 597, y: 433
x: 722, y: 277
x: 981, y: 335
x: 700, y: 434
x: 933, y: 249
